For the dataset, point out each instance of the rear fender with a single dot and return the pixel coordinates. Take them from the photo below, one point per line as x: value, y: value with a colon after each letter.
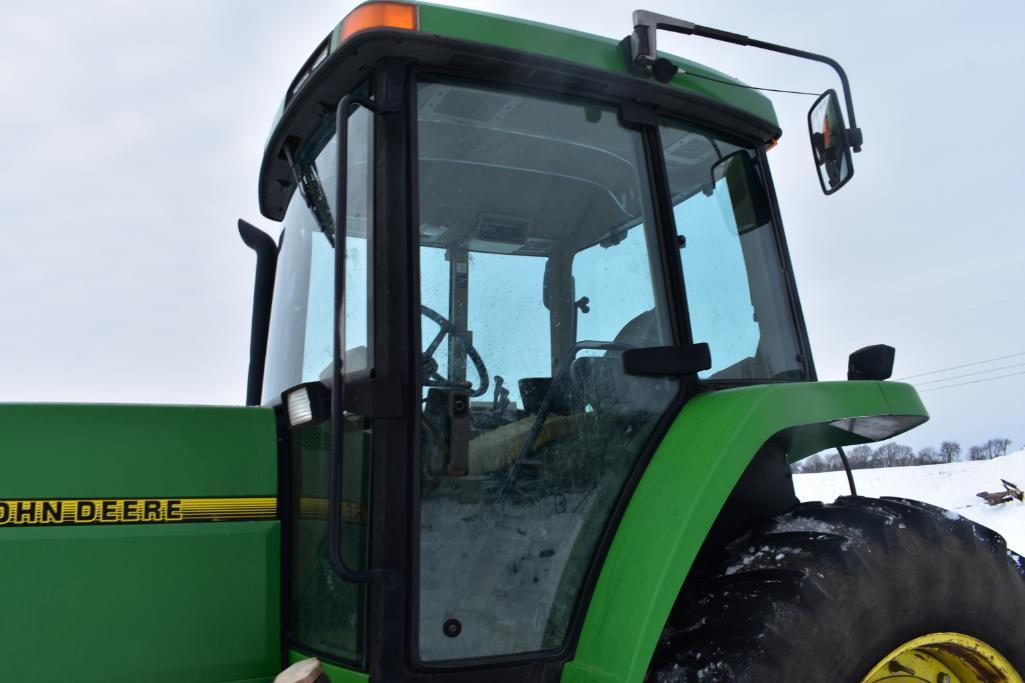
x: 690, y: 476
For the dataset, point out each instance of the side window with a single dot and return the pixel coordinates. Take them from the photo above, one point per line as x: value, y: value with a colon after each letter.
x: 356, y: 354
x: 737, y: 296
x: 718, y: 289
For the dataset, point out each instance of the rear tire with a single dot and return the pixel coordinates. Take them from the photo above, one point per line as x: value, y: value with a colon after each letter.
x: 825, y: 592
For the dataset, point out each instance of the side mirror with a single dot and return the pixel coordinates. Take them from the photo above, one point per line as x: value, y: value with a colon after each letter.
x: 830, y: 143
x: 748, y: 200
x: 668, y: 361
x: 872, y: 362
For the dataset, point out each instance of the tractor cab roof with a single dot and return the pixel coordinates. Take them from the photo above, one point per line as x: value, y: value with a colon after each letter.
x: 420, y: 30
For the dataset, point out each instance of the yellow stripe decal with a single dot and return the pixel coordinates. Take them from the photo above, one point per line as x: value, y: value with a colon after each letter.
x: 56, y: 511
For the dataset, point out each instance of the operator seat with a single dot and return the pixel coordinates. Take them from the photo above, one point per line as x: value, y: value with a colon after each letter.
x: 640, y: 332
x: 601, y: 382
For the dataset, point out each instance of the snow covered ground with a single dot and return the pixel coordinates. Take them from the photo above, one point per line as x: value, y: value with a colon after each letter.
x: 952, y: 486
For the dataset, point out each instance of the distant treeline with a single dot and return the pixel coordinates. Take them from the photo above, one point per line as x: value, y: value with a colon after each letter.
x: 899, y: 455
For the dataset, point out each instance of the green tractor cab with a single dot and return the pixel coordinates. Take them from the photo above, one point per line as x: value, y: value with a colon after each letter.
x: 528, y: 369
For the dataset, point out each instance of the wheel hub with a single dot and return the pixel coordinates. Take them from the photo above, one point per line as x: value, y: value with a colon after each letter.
x: 944, y: 658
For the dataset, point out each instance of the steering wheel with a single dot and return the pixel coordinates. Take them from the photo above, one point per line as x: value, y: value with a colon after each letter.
x: 430, y: 366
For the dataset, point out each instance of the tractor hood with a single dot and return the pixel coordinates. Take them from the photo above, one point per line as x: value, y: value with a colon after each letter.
x: 139, y: 538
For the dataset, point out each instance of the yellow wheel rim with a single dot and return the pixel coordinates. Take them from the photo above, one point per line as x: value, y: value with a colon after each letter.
x: 943, y: 658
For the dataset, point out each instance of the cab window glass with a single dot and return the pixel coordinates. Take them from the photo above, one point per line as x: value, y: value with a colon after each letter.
x: 732, y: 266
x: 624, y: 263
x: 539, y: 267
x: 324, y: 613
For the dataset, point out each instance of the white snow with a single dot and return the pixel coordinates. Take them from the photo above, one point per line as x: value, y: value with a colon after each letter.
x: 951, y: 486
x: 789, y: 523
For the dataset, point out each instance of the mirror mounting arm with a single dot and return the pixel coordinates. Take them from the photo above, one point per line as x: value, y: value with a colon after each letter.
x: 643, y: 58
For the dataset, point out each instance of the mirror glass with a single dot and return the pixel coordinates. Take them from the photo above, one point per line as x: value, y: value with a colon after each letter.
x: 830, y: 147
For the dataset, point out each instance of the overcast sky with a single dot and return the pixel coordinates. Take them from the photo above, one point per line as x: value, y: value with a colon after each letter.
x: 134, y: 133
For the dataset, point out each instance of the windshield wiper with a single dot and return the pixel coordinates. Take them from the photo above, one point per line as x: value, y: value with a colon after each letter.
x: 308, y: 182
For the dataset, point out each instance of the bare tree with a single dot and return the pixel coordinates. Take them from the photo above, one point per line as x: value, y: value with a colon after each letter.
x: 929, y: 456
x: 950, y: 450
x: 999, y: 446
x: 899, y: 455
x: 826, y: 461
x: 813, y: 463
x: 895, y: 455
x: 861, y: 457
x: 904, y: 455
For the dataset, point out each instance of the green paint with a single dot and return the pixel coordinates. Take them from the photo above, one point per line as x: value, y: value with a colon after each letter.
x: 141, y: 602
x: 336, y: 673
x: 677, y: 500
x: 573, y: 46
x: 155, y: 603
x: 68, y: 451
x: 582, y: 48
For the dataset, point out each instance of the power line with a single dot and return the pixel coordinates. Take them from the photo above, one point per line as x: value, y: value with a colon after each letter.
x: 958, y: 367
x: 969, y: 374
x: 750, y: 87
x: 976, y: 381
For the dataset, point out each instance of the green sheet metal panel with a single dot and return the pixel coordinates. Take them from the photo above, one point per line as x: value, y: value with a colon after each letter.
x: 156, y: 603
x: 185, y: 601
x: 69, y: 450
x: 679, y: 496
x: 573, y: 46
x: 585, y: 49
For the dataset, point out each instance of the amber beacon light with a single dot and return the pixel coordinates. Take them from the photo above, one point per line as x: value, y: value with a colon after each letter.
x: 378, y: 15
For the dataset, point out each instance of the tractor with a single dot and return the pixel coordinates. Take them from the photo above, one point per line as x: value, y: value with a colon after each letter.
x: 528, y: 370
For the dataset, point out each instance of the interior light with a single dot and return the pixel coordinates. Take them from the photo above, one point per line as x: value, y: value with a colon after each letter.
x: 307, y: 403
x: 378, y: 15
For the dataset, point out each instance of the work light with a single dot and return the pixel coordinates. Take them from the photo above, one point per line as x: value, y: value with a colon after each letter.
x: 307, y: 403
